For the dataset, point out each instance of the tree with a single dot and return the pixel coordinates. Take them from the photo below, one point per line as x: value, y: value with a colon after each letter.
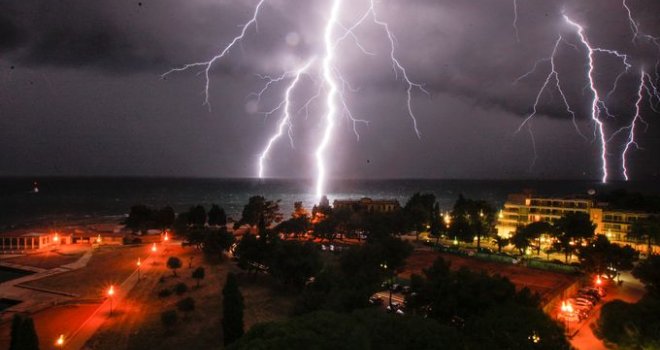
x: 140, y: 218
x: 521, y: 239
x: 217, y: 216
x: 570, y: 230
x: 648, y: 271
x: 215, y: 242
x: 23, y: 334
x: 299, y: 211
x: 601, y: 257
x: 186, y: 305
x: 647, y: 229
x: 168, y: 318
x: 631, y: 326
x: 258, y: 207
x: 418, y: 212
x: 165, y: 217
x: 501, y: 242
x: 293, y: 263
x: 173, y: 263
x: 197, y: 216
x: 232, y: 310
x: 198, y: 274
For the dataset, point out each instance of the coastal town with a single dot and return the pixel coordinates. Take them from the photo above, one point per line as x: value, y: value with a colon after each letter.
x: 125, y: 284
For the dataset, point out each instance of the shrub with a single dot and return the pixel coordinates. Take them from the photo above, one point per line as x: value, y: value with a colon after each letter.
x: 168, y: 318
x: 164, y: 293
x: 180, y: 288
x: 186, y: 305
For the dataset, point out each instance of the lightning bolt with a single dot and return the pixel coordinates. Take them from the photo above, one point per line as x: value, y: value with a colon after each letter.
x: 596, y: 101
x: 553, y: 75
x: 333, y: 87
x: 631, y: 134
x: 207, y: 65
x: 286, y: 117
x: 329, y: 78
x: 515, y: 20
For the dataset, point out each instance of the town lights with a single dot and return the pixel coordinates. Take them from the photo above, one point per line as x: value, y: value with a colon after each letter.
x: 599, y: 282
x: 166, y: 238
x: 59, y: 342
x: 153, y: 248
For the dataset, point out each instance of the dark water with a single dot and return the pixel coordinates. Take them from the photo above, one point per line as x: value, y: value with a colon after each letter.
x: 62, y: 199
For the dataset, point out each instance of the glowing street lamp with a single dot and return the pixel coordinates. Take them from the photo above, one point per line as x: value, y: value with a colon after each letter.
x: 567, y: 313
x: 98, y: 239
x: 153, y: 248
x: 111, y: 292
x: 56, y: 238
x: 139, y: 263
x: 599, y: 282
x: 59, y: 342
x: 166, y: 238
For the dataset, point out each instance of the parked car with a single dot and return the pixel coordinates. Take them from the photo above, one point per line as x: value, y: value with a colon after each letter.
x: 376, y: 300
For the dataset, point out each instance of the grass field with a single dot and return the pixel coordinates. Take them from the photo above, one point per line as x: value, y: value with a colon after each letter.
x: 109, y: 265
x: 138, y: 325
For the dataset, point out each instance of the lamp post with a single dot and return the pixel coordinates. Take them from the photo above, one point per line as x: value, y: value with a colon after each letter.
x: 166, y: 237
x: 111, y: 292
x: 153, y: 248
x: 59, y: 342
x: 139, y: 263
x: 567, y: 313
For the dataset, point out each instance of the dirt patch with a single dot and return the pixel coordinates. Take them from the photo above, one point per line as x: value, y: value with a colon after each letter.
x: 546, y: 283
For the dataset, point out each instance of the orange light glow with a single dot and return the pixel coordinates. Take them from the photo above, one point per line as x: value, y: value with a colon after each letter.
x: 56, y: 238
x: 139, y: 262
x: 111, y: 291
x: 153, y: 248
x: 599, y: 281
x: 166, y: 238
x: 60, y: 341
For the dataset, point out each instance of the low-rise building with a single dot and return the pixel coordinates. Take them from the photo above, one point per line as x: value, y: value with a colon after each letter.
x: 368, y: 205
x: 19, y: 241
x: 522, y: 209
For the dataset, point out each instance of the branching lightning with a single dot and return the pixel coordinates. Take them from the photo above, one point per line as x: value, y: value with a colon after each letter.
x: 286, y: 116
x: 333, y: 86
x: 207, y: 65
x: 630, y: 142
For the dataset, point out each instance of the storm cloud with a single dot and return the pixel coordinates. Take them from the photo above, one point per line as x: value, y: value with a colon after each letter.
x: 79, y: 67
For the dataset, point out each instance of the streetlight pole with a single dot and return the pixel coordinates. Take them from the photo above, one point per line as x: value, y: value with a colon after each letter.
x: 139, y: 263
x: 59, y: 342
x: 111, y: 292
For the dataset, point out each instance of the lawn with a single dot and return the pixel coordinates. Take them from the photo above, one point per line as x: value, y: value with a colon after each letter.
x: 47, y: 260
x: 109, y: 265
x: 138, y: 324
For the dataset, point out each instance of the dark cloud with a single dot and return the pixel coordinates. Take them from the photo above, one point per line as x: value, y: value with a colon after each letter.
x: 97, y: 64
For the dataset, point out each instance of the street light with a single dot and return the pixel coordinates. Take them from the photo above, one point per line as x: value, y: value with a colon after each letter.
x: 599, y: 282
x: 139, y: 263
x: 153, y: 248
x: 166, y: 238
x: 59, y: 342
x: 111, y: 292
x: 567, y: 313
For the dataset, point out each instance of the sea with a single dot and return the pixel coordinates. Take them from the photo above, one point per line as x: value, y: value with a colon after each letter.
x: 68, y: 199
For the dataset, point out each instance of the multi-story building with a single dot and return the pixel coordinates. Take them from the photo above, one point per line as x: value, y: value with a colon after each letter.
x: 522, y: 209
x: 368, y: 205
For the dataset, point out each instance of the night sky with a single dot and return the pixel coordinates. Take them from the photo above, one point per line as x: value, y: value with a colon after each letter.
x: 81, y: 90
